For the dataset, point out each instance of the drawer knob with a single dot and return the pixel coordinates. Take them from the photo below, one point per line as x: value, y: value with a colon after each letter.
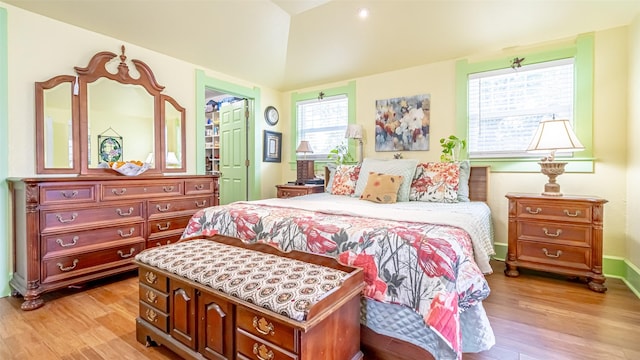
x: 68, y: 268
x: 531, y: 211
x: 152, y: 297
x: 73, y: 217
x: 263, y: 326
x: 123, y: 235
x: 165, y: 227
x: 151, y: 277
x: 168, y: 188
x: 262, y: 352
x: 199, y: 186
x: 556, y: 234
x: 119, y: 212
x: 575, y: 214
x: 151, y: 315
x: 69, y: 195
x: 124, y: 256
x: 163, y: 209
x: 73, y: 242
x: 546, y: 253
x: 203, y: 204
x: 121, y: 192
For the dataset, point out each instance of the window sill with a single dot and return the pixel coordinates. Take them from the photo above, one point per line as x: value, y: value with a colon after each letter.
x: 574, y: 165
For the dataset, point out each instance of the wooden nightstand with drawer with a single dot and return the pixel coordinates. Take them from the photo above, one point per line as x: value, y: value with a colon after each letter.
x: 290, y: 190
x: 560, y: 234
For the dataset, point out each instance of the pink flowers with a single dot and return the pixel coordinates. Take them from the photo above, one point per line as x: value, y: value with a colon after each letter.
x: 375, y: 288
x: 316, y: 242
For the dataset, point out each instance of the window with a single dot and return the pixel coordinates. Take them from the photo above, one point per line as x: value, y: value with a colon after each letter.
x: 322, y: 123
x: 506, y: 105
x: 488, y: 118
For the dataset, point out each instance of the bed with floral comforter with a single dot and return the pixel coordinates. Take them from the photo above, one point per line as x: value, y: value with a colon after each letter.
x: 423, y: 262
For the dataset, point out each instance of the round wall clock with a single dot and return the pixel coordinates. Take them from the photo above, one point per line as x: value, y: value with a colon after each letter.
x: 271, y: 115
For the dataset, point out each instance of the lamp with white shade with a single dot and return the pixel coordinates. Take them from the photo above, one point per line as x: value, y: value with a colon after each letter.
x: 304, y: 168
x: 354, y: 131
x: 551, y: 136
x: 172, y: 159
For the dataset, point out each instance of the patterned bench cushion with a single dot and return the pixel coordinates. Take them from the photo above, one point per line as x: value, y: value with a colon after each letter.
x: 285, y: 286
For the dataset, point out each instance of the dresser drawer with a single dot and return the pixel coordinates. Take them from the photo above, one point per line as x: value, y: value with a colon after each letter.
x: 67, y: 194
x: 168, y: 224
x: 257, y: 349
x: 154, y: 298
x: 563, y: 233
x: 153, y: 279
x: 266, y: 328
x: 154, y: 316
x: 181, y: 204
x: 57, y: 244
x: 289, y: 192
x: 578, y: 258
x: 162, y: 239
x: 142, y: 190
x: 52, y: 220
x: 199, y: 186
x: 555, y: 210
x: 56, y: 269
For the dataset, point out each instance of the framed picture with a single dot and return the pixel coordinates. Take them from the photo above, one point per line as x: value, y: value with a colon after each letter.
x: 402, y: 124
x: 109, y: 148
x: 272, y: 148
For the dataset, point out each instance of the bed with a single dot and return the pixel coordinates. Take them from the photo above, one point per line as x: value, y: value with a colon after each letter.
x: 424, y: 261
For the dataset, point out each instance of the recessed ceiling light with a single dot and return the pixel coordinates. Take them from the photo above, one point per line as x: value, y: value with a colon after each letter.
x: 363, y: 13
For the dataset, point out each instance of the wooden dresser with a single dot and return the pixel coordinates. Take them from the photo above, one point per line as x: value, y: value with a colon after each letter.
x: 556, y: 234
x: 291, y: 190
x: 70, y: 230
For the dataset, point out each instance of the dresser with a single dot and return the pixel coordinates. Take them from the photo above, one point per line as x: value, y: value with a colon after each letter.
x: 291, y: 190
x: 556, y: 234
x: 70, y: 230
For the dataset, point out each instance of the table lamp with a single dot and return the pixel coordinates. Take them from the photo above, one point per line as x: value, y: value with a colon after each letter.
x: 304, y: 168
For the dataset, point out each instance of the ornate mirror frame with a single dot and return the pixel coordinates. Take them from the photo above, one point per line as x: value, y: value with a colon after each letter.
x: 167, y: 155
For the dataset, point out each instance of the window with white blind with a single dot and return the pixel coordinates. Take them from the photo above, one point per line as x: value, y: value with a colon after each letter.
x: 323, y: 123
x: 506, y: 105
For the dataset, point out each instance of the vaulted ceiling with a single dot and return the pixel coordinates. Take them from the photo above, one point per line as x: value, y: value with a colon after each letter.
x: 288, y: 44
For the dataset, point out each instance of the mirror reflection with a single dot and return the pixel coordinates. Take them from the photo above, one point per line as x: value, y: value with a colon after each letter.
x: 58, y: 127
x: 120, y: 122
x: 173, y: 131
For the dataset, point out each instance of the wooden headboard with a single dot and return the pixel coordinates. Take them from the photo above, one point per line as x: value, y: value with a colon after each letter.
x: 478, y: 182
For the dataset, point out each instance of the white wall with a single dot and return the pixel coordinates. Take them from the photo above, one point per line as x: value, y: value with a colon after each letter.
x: 633, y: 152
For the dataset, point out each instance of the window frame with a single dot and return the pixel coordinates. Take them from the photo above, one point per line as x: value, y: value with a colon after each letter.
x: 348, y: 90
x: 582, y: 50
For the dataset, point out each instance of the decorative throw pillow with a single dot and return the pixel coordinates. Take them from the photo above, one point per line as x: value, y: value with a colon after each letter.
x: 463, y: 184
x: 344, y: 180
x: 435, y: 182
x: 382, y: 188
x: 403, y: 167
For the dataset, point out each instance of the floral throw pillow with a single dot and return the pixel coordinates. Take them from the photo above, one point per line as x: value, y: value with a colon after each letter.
x: 382, y: 188
x: 344, y: 180
x: 435, y: 182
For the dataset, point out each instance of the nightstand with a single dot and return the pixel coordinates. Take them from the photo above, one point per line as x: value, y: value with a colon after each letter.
x: 560, y: 234
x: 291, y: 190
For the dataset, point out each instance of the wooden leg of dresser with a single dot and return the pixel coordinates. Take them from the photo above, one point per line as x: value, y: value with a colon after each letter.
x: 597, y: 284
x: 31, y: 303
x: 511, y: 270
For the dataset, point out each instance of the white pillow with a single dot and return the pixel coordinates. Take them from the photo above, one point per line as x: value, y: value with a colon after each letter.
x: 404, y: 167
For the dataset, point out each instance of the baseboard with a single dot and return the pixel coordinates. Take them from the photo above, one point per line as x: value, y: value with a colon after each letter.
x: 612, y: 267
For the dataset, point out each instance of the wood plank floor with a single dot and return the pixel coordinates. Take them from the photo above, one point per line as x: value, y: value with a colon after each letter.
x: 535, y: 316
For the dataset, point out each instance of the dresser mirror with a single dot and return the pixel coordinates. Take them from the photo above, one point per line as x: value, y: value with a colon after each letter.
x: 105, y: 114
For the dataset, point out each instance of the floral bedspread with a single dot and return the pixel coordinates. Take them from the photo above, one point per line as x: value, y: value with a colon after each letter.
x: 428, y: 268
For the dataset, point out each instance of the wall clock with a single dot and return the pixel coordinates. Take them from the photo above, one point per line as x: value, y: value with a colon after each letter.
x: 271, y: 115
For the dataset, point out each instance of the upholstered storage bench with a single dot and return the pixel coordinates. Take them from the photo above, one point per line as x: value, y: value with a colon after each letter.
x: 219, y: 298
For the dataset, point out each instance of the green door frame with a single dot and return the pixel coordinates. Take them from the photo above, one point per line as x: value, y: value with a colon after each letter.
x: 254, y: 137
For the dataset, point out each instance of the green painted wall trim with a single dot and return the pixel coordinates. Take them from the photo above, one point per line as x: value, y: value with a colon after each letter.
x: 349, y: 89
x: 583, y: 51
x: 5, y: 273
x: 612, y: 267
x: 255, y: 137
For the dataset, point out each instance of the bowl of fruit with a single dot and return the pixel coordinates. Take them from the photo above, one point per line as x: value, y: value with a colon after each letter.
x: 128, y: 168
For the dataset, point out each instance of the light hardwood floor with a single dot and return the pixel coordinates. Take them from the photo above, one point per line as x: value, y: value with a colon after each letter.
x: 535, y: 316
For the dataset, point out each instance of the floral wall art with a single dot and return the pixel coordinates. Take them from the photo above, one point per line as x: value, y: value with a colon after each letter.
x: 403, y: 123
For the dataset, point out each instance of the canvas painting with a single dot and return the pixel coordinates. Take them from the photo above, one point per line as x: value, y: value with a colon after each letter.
x: 403, y: 123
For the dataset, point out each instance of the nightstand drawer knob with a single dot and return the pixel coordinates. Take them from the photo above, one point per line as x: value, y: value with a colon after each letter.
x: 546, y: 252
x: 556, y: 234
x: 536, y: 211
x: 577, y: 213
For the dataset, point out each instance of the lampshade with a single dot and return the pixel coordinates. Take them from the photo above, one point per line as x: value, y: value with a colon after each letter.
x: 555, y: 135
x: 304, y: 147
x: 354, y: 131
x: 172, y: 159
